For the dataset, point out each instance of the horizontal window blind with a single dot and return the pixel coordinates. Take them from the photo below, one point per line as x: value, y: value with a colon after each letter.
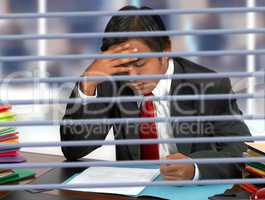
x: 52, y: 80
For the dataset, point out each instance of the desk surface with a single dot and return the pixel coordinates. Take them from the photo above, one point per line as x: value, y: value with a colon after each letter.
x: 43, y: 158
x: 40, y: 158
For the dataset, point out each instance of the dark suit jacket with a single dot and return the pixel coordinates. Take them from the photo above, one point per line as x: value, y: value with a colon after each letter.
x: 180, y: 129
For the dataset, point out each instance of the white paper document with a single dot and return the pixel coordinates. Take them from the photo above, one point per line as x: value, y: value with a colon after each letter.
x: 95, y: 175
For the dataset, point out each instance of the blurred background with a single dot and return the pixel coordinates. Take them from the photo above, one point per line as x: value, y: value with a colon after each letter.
x: 10, y: 70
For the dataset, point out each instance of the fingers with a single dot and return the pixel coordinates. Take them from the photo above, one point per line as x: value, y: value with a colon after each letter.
x: 176, y: 156
x: 178, y: 173
x: 122, y: 61
x: 172, y: 178
x: 123, y: 48
x: 168, y: 176
x: 118, y: 48
x: 170, y: 169
x: 163, y: 169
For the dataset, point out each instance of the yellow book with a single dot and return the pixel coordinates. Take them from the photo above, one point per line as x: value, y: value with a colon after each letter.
x: 7, y: 114
x: 12, y: 141
x: 257, y: 147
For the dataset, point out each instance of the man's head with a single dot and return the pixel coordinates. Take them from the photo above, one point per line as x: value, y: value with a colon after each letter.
x: 142, y: 66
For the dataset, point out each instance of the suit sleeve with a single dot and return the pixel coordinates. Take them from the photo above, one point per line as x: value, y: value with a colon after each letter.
x: 222, y: 150
x: 85, y: 131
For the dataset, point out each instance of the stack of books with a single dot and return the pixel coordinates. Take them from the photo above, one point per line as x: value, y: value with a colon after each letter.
x: 10, y: 176
x: 255, y: 169
x: 8, y: 135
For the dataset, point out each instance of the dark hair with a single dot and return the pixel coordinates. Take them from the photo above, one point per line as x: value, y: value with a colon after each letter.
x: 136, y: 23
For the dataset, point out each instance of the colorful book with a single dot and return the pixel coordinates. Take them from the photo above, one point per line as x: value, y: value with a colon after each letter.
x: 12, y: 159
x: 8, y: 119
x: 257, y: 148
x: 255, y: 171
x: 10, y: 140
x: 9, y: 135
x: 19, y: 174
x: 4, y: 128
x: 259, y: 166
x: 249, y: 187
x: 4, y: 108
x: 7, y: 131
x: 4, y: 176
x: 10, y: 153
x: 2, y: 137
x: 4, y: 170
x: 8, y: 150
x: 7, y: 114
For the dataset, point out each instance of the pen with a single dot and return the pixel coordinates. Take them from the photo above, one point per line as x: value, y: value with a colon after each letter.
x: 249, y: 187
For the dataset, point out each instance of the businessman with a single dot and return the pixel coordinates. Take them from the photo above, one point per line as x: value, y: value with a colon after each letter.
x: 143, y: 109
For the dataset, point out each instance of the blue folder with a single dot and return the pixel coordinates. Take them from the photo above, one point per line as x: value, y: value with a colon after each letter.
x: 184, y: 192
x: 178, y: 192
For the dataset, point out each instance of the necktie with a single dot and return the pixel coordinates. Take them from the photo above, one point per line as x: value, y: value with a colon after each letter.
x: 147, y: 130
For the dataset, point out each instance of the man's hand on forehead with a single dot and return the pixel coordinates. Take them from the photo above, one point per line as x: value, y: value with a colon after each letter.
x: 122, y: 46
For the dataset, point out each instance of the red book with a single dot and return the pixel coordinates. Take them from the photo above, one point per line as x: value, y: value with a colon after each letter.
x: 10, y: 140
x: 249, y: 187
x: 4, y: 108
x: 12, y: 135
x: 10, y: 153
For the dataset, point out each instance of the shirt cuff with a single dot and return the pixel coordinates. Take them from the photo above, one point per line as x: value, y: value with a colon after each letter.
x: 83, y: 95
x: 197, y: 173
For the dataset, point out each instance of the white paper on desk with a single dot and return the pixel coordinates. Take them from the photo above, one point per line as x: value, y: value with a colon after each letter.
x: 95, y: 175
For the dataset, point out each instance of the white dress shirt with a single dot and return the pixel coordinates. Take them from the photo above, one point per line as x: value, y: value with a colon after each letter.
x: 164, y: 130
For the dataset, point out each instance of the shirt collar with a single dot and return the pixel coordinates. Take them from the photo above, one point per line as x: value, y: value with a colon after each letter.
x: 163, y: 86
